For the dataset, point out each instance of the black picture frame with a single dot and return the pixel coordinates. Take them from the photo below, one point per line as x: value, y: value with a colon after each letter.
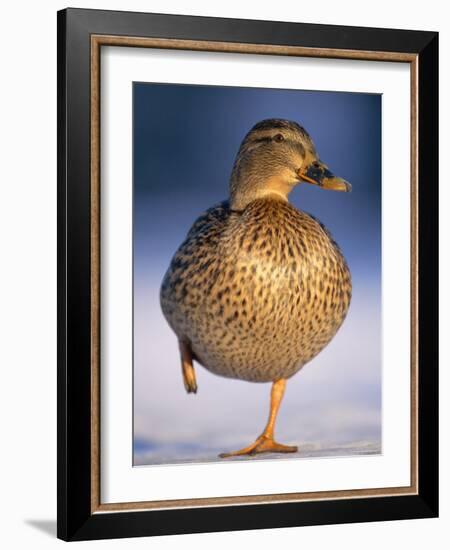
x: 76, y: 520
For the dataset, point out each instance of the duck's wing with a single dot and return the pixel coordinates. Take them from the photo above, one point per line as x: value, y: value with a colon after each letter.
x: 210, y: 223
x: 194, y: 268
x: 199, y: 249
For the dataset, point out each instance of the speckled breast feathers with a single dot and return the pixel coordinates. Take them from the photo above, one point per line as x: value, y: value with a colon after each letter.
x: 256, y: 293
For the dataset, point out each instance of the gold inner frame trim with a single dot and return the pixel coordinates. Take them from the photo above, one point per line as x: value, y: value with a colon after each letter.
x: 97, y: 41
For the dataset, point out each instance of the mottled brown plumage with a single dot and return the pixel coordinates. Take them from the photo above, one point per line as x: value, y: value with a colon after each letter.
x: 259, y: 288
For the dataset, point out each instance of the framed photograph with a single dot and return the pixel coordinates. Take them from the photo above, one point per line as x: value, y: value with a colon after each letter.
x: 247, y: 253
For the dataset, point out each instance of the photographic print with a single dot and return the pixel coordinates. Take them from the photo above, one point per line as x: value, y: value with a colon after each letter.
x: 257, y: 273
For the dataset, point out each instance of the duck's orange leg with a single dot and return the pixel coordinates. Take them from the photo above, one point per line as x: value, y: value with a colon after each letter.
x: 190, y: 382
x: 266, y: 443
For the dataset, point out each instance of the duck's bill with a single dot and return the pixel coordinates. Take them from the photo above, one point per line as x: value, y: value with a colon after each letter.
x: 318, y: 174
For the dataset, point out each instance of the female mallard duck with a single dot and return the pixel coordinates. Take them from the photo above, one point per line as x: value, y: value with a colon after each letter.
x: 259, y: 288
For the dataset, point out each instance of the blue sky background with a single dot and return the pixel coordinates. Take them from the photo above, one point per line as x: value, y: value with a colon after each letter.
x: 185, y: 139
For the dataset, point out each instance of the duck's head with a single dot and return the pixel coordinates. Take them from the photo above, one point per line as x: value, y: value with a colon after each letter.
x: 275, y: 156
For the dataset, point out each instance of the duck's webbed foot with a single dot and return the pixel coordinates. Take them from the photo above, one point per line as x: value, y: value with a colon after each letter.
x: 189, y: 380
x: 264, y: 444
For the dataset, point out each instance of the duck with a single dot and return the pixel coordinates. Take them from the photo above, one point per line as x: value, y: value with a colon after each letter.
x: 258, y: 288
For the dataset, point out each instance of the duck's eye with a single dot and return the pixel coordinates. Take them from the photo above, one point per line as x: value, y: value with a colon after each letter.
x: 278, y: 138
